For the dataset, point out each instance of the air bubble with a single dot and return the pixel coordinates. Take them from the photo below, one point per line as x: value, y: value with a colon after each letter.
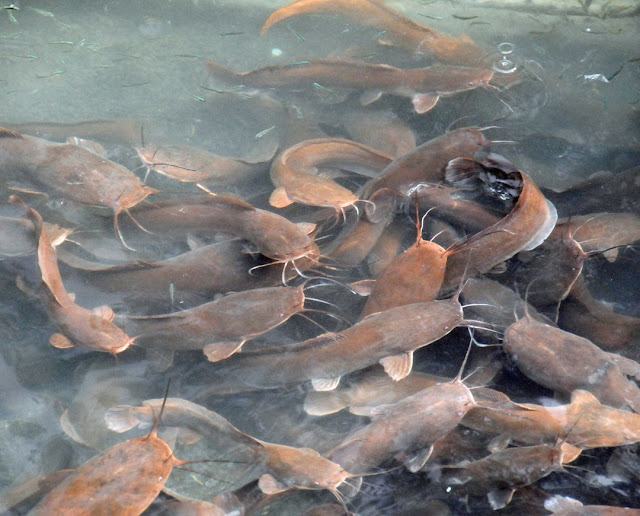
x: 505, y: 65
x: 505, y: 48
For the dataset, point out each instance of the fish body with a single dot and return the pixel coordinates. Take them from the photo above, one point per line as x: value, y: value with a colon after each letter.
x: 200, y: 273
x: 388, y: 337
x: 565, y: 362
x: 286, y: 466
x: 406, y: 430
x: 424, y: 86
x: 426, y: 163
x: 274, y: 236
x: 192, y: 165
x: 295, y: 172
x: 500, y: 474
x: 93, y: 329
x: 398, y: 29
x: 526, y: 226
x: 219, y: 327
x: 71, y: 172
x: 124, y: 480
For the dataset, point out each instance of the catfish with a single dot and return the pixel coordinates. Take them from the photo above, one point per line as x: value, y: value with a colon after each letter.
x: 92, y: 329
x: 296, y: 172
x: 398, y: 29
x: 71, y: 172
x: 565, y: 362
x: 424, y: 86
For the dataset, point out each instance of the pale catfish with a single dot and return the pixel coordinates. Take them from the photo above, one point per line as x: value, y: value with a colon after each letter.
x: 407, y: 429
x: 296, y: 172
x: 274, y: 236
x: 71, y: 172
x: 219, y: 327
x: 424, y: 86
x: 93, y: 329
x: 565, y: 362
x: 398, y: 29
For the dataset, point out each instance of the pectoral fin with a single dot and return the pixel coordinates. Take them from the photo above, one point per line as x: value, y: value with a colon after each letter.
x: 363, y: 287
x: 217, y: 351
x: 57, y: 340
x: 105, y: 312
x: 279, y: 198
x: 499, y: 498
x: 499, y: 443
x: 423, y: 102
x: 369, y: 97
x: 398, y: 366
x: 269, y: 485
x: 415, y: 462
x: 306, y: 227
x: 25, y: 189
x: 325, y: 384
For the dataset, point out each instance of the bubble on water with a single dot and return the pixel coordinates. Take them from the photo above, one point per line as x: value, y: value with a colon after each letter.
x: 276, y: 52
x: 506, y: 48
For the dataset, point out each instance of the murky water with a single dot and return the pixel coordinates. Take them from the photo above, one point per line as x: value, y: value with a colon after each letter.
x: 571, y: 110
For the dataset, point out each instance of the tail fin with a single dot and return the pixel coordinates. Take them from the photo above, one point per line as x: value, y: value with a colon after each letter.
x: 222, y: 78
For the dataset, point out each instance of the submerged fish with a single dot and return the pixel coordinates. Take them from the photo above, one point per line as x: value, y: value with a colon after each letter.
x: 398, y: 29
x: 424, y: 86
x: 71, y: 172
x: 93, y: 329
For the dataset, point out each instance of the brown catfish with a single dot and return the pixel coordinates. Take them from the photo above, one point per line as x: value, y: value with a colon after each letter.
x: 565, y: 362
x: 192, y: 165
x: 373, y: 389
x: 285, y: 466
x: 219, y: 327
x: 93, y: 329
x: 424, y: 86
x: 274, y: 236
x: 405, y: 430
x: 115, y: 130
x: 600, y: 192
x: 426, y: 163
x: 398, y: 29
x: 389, y: 338
x: 596, y: 320
x: 414, y: 276
x: 549, y: 272
x: 525, y: 227
x: 295, y: 172
x: 500, y: 474
x: 200, y: 273
x: 71, y: 172
x: 602, y: 232
x: 124, y: 480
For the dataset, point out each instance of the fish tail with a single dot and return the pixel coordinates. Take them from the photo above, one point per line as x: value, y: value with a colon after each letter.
x: 222, y: 78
